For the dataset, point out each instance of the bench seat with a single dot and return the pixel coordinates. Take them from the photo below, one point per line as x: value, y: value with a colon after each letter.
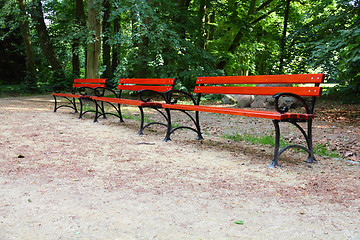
x: 81, y: 89
x: 143, y: 86
x: 124, y: 101
x: 303, y: 88
x: 240, y: 112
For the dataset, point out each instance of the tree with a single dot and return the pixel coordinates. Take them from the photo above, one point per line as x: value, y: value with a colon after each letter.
x: 46, y: 46
x: 80, y: 22
x: 330, y: 42
x: 105, y: 41
x: 30, y: 62
x: 94, y: 41
x: 254, y: 15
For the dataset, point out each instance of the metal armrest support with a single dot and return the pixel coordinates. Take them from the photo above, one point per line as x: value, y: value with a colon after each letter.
x: 170, y: 100
x: 100, y: 92
x: 145, y: 99
x: 286, y: 109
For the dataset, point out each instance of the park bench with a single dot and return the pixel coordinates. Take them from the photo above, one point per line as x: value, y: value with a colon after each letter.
x: 304, y: 88
x: 150, y: 94
x: 81, y: 89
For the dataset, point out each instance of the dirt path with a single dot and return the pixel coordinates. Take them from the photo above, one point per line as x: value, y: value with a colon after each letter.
x: 65, y: 178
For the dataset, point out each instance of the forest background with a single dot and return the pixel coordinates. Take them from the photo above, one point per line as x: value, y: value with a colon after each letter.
x: 54, y: 41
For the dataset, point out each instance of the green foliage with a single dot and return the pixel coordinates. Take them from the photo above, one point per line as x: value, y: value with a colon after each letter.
x: 187, y: 39
x: 328, y: 40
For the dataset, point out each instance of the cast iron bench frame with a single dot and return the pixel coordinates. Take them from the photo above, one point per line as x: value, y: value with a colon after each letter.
x: 79, y: 92
x: 155, y: 86
x: 223, y: 85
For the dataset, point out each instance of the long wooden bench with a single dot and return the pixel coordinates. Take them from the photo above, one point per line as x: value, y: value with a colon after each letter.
x: 148, y: 89
x: 291, y: 86
x: 81, y: 89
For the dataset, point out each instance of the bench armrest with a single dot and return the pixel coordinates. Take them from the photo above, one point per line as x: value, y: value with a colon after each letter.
x: 100, y: 92
x: 286, y: 109
x: 170, y: 99
x: 143, y: 98
x: 60, y: 88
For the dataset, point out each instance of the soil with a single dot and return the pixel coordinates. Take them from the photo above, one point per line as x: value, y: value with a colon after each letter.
x: 67, y: 178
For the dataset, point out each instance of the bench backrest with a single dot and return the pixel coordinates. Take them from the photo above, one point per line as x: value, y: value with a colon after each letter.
x: 89, y: 83
x: 230, y: 84
x: 154, y: 84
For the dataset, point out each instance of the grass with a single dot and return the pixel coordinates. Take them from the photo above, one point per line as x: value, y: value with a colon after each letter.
x: 319, y: 149
x: 250, y: 138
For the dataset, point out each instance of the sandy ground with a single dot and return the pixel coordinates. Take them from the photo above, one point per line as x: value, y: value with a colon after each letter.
x: 68, y: 178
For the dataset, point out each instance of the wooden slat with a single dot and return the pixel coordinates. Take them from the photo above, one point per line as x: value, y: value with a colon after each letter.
x: 90, y: 80
x: 302, y: 91
x: 263, y: 79
x: 120, y: 101
x: 239, y: 112
x: 144, y: 87
x: 150, y: 81
x: 76, y: 85
x: 69, y: 95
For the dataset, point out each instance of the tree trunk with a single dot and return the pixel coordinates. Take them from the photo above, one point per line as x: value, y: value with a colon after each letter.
x: 115, y: 49
x: 30, y: 78
x: 94, y: 47
x: 201, y: 24
x: 283, y: 39
x: 46, y: 46
x: 106, y: 46
x: 80, y: 22
x: 141, y: 69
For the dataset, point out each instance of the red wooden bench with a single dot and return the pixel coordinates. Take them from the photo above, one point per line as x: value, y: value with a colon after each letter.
x: 292, y: 86
x: 146, y: 87
x: 81, y: 89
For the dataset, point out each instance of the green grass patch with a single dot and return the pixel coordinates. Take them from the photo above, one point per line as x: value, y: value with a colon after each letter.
x: 262, y: 140
x: 319, y: 149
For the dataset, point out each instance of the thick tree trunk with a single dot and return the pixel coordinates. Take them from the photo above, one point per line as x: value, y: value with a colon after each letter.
x: 94, y: 47
x: 46, y: 46
x: 106, y: 46
x: 30, y: 78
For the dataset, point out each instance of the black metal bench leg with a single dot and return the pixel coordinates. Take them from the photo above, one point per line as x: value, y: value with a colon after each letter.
x: 74, y: 104
x: 103, y: 110
x: 119, y: 112
x: 81, y: 107
x: 275, y: 161
x: 96, y: 111
x: 169, y: 126
x: 197, y: 124
x: 55, y: 106
x: 142, y: 121
x: 311, y: 158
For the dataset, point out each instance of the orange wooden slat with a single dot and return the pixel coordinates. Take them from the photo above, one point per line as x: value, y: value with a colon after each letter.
x: 302, y: 91
x: 76, y: 85
x: 239, y: 112
x: 144, y: 87
x: 69, y: 95
x: 263, y: 79
x: 90, y: 80
x: 151, y: 81
x: 120, y: 101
